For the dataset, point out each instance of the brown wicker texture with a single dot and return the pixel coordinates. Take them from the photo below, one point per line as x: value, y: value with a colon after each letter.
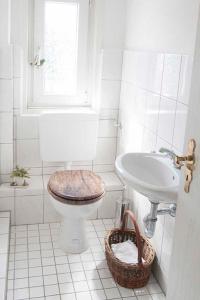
x: 129, y: 275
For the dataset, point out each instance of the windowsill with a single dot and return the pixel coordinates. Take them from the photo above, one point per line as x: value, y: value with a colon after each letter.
x: 76, y: 109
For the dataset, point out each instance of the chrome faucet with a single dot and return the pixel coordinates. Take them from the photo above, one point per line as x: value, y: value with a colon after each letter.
x: 171, y: 155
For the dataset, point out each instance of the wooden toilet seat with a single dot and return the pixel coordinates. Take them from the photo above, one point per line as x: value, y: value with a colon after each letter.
x: 76, y: 187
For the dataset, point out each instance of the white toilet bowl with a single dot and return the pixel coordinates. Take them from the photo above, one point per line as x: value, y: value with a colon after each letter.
x: 75, y: 195
x: 73, y: 238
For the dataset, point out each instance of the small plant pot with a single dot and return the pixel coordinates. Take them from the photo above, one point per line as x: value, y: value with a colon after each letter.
x: 19, y: 181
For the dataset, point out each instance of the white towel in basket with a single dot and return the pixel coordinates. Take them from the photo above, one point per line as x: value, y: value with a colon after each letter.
x: 126, y: 252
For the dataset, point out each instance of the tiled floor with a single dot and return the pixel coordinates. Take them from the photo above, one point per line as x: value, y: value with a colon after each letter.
x: 39, y: 270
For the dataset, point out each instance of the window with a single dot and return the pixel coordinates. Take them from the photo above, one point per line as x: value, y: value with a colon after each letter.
x: 60, y: 59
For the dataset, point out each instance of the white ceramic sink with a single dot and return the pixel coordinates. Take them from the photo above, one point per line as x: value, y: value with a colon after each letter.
x: 152, y: 175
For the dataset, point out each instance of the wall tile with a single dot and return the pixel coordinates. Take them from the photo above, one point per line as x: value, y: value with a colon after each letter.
x: 109, y: 114
x: 151, y: 121
x: 112, y: 64
x: 106, y: 150
x: 6, y: 127
x: 149, y: 141
x: 108, y: 206
x: 5, y: 178
x: 81, y: 163
x: 81, y: 167
x: 161, y: 143
x: 37, y: 171
x: 127, y: 100
x: 7, y: 204
x: 171, y: 75
x: 140, y: 101
x: 110, y: 94
x: 6, y: 158
x: 52, y: 164
x: 144, y: 69
x: 6, y: 62
x: 167, y: 243
x: 17, y: 62
x: 18, y: 92
x: 28, y: 153
x: 180, y: 126
x: 185, y: 79
x: 107, y: 128
x: 34, y: 188
x: 26, y: 127
x: 50, y: 214
x: 6, y: 190
x: 166, y: 119
x: 103, y: 168
x: 6, y: 95
x: 51, y: 170
x: 152, y: 111
x: 112, y: 181
x: 29, y: 209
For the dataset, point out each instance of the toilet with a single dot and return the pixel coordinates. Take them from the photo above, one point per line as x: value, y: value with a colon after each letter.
x: 75, y: 194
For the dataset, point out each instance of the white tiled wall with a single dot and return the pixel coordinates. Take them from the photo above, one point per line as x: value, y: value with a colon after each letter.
x: 31, y: 205
x: 20, y: 132
x: 26, y: 135
x: 153, y: 112
x: 6, y: 111
x: 19, y: 141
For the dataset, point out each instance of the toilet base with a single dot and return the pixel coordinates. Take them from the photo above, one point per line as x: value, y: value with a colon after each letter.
x: 73, y: 236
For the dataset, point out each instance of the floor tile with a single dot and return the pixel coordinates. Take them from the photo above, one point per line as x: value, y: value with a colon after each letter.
x: 51, y: 290
x: 36, y: 292
x: 81, y: 286
x: 21, y: 294
x: 50, y: 279
x: 98, y: 295
x: 39, y: 270
x: 64, y: 278
x: 144, y: 297
x: 68, y: 297
x: 66, y: 288
x: 83, y: 296
x: 158, y: 297
x: 112, y: 293
x: 21, y: 283
x: 36, y: 281
x: 154, y: 288
x: 78, y: 276
x: 95, y: 284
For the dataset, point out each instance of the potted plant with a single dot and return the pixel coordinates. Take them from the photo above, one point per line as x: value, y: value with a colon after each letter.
x: 19, y: 175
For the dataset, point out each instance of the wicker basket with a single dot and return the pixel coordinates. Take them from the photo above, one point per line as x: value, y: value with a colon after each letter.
x: 129, y: 275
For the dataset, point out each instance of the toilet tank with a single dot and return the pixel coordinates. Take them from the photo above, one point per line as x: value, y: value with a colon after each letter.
x: 68, y: 136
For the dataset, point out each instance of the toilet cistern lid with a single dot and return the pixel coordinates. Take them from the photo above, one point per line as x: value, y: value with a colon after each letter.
x: 76, y: 187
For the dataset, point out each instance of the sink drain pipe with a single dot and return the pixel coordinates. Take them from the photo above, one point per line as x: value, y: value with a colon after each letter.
x: 151, y: 219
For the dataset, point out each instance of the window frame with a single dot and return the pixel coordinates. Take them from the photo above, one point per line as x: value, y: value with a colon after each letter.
x: 38, y: 100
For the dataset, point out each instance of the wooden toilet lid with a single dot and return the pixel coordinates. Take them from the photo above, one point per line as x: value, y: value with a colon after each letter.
x: 76, y: 187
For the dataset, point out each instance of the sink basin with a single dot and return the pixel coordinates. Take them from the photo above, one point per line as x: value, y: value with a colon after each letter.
x: 152, y: 175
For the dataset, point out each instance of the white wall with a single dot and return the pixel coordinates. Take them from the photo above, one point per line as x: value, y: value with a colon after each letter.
x: 4, y: 22
x: 153, y: 112
x: 24, y: 134
x: 113, y: 24
x: 159, y: 25
x: 157, y: 63
x: 26, y: 126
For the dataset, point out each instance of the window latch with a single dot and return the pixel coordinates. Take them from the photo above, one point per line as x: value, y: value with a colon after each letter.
x: 38, y: 62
